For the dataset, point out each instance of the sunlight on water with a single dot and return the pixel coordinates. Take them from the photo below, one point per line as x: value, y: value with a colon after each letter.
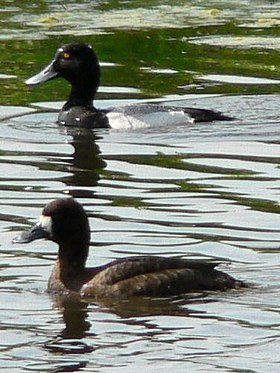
x: 164, y: 192
x: 208, y: 191
x: 239, y: 41
x: 57, y: 18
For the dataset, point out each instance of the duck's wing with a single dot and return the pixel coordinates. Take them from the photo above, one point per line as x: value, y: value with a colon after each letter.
x: 205, y: 115
x: 154, y: 112
x: 156, y: 276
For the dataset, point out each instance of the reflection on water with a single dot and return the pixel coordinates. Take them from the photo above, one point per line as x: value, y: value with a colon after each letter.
x: 85, y: 164
x: 201, y: 191
x: 196, y: 191
x: 79, y: 337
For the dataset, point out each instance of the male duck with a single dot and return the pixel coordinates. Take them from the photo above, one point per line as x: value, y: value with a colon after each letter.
x: 78, y: 64
x: 65, y: 222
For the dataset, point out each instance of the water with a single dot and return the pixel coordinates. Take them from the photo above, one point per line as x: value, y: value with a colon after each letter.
x: 199, y: 191
x: 196, y: 191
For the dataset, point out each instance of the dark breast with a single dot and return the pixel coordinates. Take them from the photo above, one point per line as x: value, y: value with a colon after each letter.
x: 81, y: 116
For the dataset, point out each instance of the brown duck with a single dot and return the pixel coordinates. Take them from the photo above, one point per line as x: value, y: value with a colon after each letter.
x: 65, y: 222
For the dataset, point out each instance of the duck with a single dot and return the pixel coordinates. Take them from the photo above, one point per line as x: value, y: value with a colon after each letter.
x: 65, y: 222
x: 79, y: 65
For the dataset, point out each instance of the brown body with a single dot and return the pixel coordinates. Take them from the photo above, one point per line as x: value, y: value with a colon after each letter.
x: 65, y: 222
x: 141, y: 276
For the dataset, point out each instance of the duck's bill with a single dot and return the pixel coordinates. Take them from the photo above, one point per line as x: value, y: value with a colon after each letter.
x: 46, y: 74
x: 35, y: 233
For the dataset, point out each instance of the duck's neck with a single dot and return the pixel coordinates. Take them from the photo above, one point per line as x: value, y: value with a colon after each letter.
x: 73, y: 256
x: 70, y: 265
x: 82, y: 94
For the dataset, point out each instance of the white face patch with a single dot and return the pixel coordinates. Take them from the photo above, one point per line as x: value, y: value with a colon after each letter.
x: 46, y: 223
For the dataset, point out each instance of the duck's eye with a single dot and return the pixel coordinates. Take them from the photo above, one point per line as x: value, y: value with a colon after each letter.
x: 66, y: 55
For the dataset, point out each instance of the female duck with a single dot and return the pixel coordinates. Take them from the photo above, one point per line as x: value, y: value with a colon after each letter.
x: 78, y: 64
x: 65, y: 222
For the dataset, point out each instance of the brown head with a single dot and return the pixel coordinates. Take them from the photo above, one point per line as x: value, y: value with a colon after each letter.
x: 65, y: 222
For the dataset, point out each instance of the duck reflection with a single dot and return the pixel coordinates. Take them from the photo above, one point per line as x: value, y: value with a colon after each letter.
x: 74, y: 316
x: 75, y: 310
x: 69, y: 340
x: 78, y: 337
x: 85, y: 163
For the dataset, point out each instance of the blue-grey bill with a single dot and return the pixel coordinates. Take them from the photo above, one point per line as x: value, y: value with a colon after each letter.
x: 35, y: 233
x: 46, y: 74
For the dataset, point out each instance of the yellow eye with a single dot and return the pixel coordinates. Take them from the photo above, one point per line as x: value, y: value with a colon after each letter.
x: 66, y: 55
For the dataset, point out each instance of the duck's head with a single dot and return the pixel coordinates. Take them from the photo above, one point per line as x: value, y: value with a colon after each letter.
x: 75, y: 62
x: 65, y: 222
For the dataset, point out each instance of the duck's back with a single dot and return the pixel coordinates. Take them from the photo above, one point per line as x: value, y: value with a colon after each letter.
x: 155, y: 115
x: 156, y: 276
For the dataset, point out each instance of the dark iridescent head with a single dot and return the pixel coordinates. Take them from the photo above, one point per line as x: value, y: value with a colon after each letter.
x: 78, y: 64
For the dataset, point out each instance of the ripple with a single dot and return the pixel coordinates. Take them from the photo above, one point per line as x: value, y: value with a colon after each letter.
x: 209, y: 192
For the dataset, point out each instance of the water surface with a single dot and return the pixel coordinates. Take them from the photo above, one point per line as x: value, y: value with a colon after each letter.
x: 195, y: 191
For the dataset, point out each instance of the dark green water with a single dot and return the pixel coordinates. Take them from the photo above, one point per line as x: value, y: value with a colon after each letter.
x: 154, y: 47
